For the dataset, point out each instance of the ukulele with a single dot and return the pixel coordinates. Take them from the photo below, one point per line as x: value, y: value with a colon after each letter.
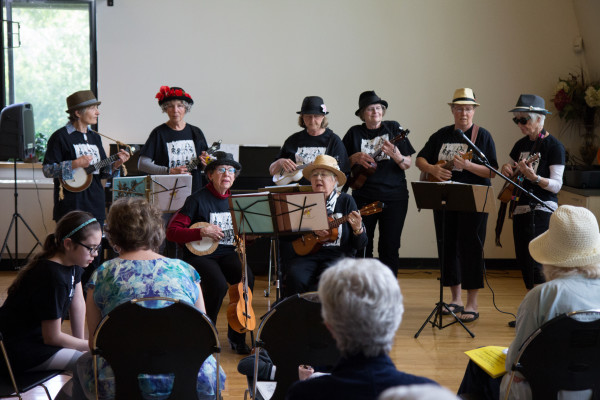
x: 240, y: 314
x: 210, y: 151
x: 82, y: 177
x: 283, y: 178
x: 206, y: 245
x: 507, y: 191
x: 449, y: 165
x: 311, y: 243
x: 359, y: 174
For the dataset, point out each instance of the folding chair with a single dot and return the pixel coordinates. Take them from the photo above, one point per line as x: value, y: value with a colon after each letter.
x: 16, y: 384
x: 175, y: 339
x: 294, y: 334
x: 562, y: 355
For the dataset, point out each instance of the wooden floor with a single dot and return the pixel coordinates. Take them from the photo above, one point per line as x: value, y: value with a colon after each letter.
x: 436, y: 353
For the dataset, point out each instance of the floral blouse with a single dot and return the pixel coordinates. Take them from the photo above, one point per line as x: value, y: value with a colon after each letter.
x: 117, y: 281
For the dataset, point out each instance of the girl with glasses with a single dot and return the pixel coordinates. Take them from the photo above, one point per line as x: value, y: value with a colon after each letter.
x: 44, y: 292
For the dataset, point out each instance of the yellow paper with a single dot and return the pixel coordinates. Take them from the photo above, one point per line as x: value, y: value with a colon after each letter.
x: 489, y: 358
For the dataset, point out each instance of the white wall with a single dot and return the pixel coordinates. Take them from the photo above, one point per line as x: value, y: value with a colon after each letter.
x: 248, y: 65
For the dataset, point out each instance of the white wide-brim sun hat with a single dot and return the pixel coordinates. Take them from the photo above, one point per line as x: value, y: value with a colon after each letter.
x: 572, y: 239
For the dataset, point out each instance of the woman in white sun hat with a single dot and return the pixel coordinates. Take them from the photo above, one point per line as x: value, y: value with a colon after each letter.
x: 570, y: 254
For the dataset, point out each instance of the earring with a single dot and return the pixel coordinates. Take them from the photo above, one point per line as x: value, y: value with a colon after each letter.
x: 117, y: 249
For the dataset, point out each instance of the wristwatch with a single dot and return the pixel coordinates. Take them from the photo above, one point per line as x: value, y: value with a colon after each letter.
x: 537, y: 181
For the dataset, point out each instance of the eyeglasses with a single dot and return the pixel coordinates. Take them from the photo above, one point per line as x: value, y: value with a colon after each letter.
x: 521, y: 120
x: 222, y: 170
x: 322, y: 174
x: 91, y: 249
x: 468, y: 110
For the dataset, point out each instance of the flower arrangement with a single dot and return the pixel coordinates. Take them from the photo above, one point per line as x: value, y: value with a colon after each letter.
x: 577, y: 102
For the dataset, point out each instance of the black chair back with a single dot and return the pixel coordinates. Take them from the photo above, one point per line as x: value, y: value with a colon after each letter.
x: 175, y: 339
x: 563, y: 354
x: 294, y: 334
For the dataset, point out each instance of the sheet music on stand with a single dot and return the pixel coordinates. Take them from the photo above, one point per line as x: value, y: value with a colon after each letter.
x: 167, y: 192
x: 278, y: 213
x: 267, y: 214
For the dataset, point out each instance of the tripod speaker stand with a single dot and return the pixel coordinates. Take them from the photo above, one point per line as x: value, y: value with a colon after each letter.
x: 15, y: 222
x: 449, y: 197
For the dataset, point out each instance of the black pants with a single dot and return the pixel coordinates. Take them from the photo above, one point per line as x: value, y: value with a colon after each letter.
x: 216, y: 274
x: 464, y: 237
x: 304, y: 272
x: 391, y: 222
x: 523, y: 233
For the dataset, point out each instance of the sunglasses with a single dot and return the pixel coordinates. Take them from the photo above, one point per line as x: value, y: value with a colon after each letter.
x: 92, y: 250
x: 521, y: 120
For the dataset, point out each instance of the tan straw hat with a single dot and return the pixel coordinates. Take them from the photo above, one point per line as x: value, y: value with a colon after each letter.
x: 572, y: 240
x: 464, y: 96
x: 323, y: 161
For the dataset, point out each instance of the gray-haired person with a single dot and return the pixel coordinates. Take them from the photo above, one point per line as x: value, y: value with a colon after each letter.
x: 362, y: 308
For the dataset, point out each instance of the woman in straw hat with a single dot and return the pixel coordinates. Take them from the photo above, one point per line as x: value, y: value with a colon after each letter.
x: 221, y: 268
x: 315, y: 138
x: 173, y: 145
x: 303, y: 272
x: 77, y: 146
x: 543, y: 178
x: 570, y: 253
x: 463, y: 250
x: 388, y: 182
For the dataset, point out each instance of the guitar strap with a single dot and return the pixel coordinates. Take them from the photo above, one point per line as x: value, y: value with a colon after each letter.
x: 474, y: 133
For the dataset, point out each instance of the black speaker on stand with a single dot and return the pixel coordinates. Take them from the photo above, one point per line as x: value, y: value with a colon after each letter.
x: 17, y: 141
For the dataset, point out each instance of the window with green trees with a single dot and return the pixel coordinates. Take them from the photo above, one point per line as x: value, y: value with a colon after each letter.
x: 48, y: 53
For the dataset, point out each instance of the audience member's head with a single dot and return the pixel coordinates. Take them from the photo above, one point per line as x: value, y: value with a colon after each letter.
x: 418, y: 392
x: 361, y: 305
x: 570, y: 246
x: 134, y: 224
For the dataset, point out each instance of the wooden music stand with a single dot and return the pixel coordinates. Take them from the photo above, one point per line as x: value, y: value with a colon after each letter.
x: 450, y: 196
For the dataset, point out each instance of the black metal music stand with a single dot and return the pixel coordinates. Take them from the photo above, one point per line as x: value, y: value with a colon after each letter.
x: 449, y: 196
x: 15, y: 222
x: 265, y: 214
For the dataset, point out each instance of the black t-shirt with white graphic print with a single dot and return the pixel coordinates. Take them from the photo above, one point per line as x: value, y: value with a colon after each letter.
x: 303, y: 148
x: 445, y: 143
x: 389, y: 180
x: 203, y: 206
x: 45, y: 293
x: 64, y: 146
x: 170, y: 148
x: 552, y: 152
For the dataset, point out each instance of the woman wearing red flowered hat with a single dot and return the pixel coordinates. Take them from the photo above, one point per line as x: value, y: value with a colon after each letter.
x: 174, y: 144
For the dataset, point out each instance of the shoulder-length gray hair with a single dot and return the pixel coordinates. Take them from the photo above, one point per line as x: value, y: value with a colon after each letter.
x: 361, y: 305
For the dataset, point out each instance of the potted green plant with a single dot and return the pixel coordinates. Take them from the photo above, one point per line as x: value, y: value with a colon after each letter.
x: 41, y: 142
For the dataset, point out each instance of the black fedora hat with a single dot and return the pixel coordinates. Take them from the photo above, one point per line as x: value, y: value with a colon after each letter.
x: 531, y: 103
x: 367, y: 98
x: 223, y: 158
x: 313, y: 105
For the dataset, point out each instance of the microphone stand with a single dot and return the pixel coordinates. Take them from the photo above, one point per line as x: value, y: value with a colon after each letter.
x: 484, y: 161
